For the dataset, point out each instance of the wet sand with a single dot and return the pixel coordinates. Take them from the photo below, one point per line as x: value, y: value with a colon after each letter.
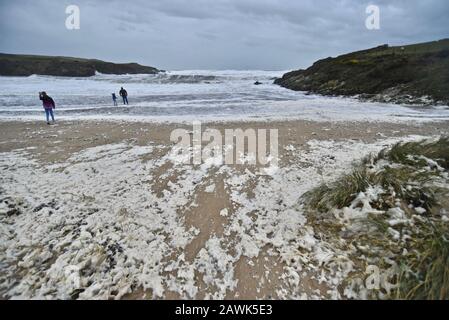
x: 57, y: 142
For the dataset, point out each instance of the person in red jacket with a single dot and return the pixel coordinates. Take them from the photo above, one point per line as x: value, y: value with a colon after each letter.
x: 49, y: 104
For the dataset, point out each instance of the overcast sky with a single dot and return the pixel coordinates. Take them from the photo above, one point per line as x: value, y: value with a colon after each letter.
x: 216, y: 34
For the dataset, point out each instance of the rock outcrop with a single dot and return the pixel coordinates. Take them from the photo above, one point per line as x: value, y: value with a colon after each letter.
x: 413, y: 74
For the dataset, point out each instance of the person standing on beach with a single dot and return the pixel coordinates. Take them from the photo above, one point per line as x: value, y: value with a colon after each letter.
x: 124, y: 95
x: 49, y: 104
x: 114, y: 98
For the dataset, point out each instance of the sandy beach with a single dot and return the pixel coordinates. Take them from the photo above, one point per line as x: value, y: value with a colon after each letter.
x: 58, y: 142
x: 96, y: 209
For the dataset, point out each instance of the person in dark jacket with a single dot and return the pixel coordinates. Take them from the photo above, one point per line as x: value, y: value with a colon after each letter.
x: 114, y: 99
x: 49, y: 104
x: 124, y: 95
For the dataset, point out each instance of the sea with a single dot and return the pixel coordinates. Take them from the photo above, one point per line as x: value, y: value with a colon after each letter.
x: 189, y: 95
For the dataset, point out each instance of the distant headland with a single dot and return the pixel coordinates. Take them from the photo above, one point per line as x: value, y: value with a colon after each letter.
x: 26, y: 65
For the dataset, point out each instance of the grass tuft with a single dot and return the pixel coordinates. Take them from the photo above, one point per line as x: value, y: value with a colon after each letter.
x: 425, y: 276
x: 410, y: 153
x: 341, y: 193
x: 413, y: 175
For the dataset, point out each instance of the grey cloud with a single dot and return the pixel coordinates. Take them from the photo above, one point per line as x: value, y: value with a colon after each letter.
x: 218, y: 34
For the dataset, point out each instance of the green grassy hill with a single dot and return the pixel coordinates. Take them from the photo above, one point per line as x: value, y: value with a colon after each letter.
x: 26, y: 65
x: 416, y: 73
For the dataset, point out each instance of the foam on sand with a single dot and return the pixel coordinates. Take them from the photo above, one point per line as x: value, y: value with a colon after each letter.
x: 93, y: 226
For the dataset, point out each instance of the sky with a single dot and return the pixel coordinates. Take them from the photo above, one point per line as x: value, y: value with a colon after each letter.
x: 216, y: 34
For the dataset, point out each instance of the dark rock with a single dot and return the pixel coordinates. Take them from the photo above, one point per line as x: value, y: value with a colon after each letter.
x: 39, y: 207
x: 75, y: 294
x: 13, y: 212
x: 51, y: 204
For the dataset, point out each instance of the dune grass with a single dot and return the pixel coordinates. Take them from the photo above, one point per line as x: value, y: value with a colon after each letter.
x: 413, y: 176
x: 407, y: 180
x: 410, y: 153
x: 425, y: 273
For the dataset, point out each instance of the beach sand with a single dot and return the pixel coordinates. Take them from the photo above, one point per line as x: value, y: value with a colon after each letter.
x: 57, y: 142
x: 97, y: 210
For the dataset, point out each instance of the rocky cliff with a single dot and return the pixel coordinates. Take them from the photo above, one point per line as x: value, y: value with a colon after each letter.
x: 415, y: 74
